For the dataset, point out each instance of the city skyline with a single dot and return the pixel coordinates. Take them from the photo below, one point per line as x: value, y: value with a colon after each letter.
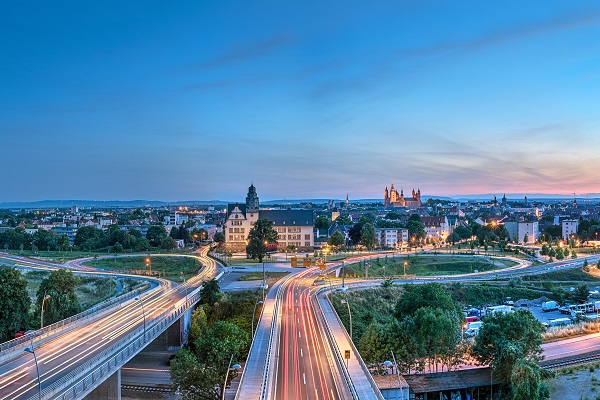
x: 191, y: 101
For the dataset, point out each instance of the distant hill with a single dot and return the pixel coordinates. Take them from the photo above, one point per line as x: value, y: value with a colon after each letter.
x: 45, y: 204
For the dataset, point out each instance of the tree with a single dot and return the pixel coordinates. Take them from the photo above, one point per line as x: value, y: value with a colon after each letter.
x: 431, y: 295
x: 506, y: 338
x: 355, y: 233
x: 343, y: 220
x: 581, y: 293
x: 367, y: 236
x: 14, y: 303
x: 194, y: 379
x: 322, y: 223
x: 155, y: 234
x: 261, y: 234
x: 210, y: 293
x: 63, y: 303
x: 219, y: 237
x: 416, y: 230
x: 526, y: 238
x: 372, y: 344
x: 464, y: 232
x: 168, y: 243
x: 526, y: 381
x: 336, y: 240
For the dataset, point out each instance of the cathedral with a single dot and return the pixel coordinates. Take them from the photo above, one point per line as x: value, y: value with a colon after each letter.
x: 391, y: 198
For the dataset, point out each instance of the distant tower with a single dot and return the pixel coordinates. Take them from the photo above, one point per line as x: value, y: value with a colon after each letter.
x: 504, y: 200
x: 525, y: 200
x: 386, y: 197
x: 252, y: 200
x: 347, y: 202
x: 495, y: 200
x: 393, y: 194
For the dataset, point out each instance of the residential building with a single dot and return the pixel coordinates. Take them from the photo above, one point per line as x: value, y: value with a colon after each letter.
x: 436, y: 228
x: 391, y: 237
x: 569, y: 227
x: 517, y: 230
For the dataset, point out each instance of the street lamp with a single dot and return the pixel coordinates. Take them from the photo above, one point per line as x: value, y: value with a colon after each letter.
x: 253, y: 313
x: 37, y: 369
x: 264, y: 275
x: 349, y: 315
x: 46, y: 297
x: 405, y: 264
x: 343, y: 275
x: 143, y: 315
x: 389, y: 364
x: 229, y: 368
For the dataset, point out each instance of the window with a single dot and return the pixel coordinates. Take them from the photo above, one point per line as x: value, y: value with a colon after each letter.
x: 295, y: 229
x: 307, y: 244
x: 307, y: 237
x: 230, y: 230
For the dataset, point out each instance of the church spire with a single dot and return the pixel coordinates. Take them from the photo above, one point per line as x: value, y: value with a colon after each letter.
x: 252, y: 202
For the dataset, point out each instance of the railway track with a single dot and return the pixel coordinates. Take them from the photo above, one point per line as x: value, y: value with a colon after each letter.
x: 586, y: 358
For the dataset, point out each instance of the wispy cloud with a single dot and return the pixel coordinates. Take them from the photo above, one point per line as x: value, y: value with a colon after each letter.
x: 248, y: 51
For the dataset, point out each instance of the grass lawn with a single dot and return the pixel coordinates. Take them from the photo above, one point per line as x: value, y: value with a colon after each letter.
x: 257, y: 276
x: 91, y: 290
x: 167, y: 267
x: 422, y: 265
x: 63, y: 256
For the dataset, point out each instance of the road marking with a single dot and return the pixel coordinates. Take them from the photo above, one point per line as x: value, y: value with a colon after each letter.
x: 304, y: 377
x: 298, y: 320
x: 301, y: 355
x: 298, y: 333
x: 332, y: 396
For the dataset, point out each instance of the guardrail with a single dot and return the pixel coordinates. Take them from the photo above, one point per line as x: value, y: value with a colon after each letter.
x: 273, y: 340
x: 360, y: 361
x: 86, y: 377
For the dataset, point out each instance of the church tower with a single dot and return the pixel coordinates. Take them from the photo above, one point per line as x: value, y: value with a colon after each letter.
x: 386, y: 197
x: 252, y: 200
x: 393, y: 194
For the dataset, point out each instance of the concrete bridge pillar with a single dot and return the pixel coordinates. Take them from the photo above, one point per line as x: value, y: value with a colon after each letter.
x: 177, y: 333
x: 110, y: 389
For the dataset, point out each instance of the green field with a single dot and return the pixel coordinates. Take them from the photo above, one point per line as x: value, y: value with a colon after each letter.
x: 423, y: 265
x: 165, y: 266
x: 64, y: 256
x: 256, y: 276
x: 90, y: 291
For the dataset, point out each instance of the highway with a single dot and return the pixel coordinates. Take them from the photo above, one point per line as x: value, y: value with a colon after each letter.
x: 62, y: 355
x: 303, y: 370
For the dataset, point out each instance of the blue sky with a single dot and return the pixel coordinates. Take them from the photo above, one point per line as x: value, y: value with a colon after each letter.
x: 178, y: 100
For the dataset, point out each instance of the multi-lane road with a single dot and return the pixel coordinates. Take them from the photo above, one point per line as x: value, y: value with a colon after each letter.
x: 63, y: 354
x: 303, y: 368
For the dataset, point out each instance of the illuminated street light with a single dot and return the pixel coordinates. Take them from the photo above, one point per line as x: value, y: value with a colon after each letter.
x: 37, y: 369
x: 46, y: 297
x: 253, y: 313
x: 389, y: 364
x: 143, y: 315
x: 349, y: 315
x: 229, y: 368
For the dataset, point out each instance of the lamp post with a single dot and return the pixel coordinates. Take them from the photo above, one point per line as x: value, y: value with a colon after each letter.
x: 37, y: 369
x: 253, y: 313
x: 143, y: 315
x: 264, y: 275
x: 343, y: 276
x: 349, y: 315
x: 229, y: 368
x: 389, y: 364
x: 46, y: 297
x: 405, y: 264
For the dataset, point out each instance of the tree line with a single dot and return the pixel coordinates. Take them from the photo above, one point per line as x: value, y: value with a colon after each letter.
x: 16, y: 311
x: 220, y: 329
x: 424, y: 333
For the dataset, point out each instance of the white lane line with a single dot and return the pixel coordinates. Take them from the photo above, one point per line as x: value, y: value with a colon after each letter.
x: 304, y: 377
x: 298, y: 333
x: 301, y: 355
